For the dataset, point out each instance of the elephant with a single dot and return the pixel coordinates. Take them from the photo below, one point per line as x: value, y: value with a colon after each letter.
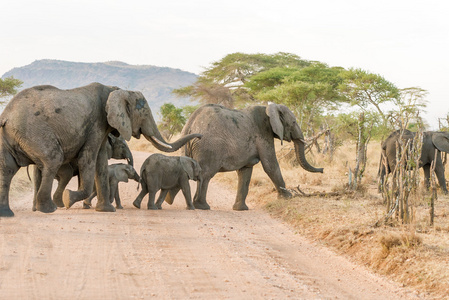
x: 236, y: 140
x: 116, y: 173
x: 168, y: 174
x: 50, y: 127
x: 432, y: 141
x: 116, y: 147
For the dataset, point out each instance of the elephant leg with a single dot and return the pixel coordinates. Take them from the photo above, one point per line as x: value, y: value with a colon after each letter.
x: 161, y: 198
x: 115, y: 194
x: 8, y: 168
x: 44, y: 202
x: 87, y: 203
x: 199, y: 201
x: 151, y: 197
x: 102, y: 183
x: 426, y: 169
x: 439, y: 171
x: 185, y: 187
x: 85, y: 187
x: 64, y: 174
x: 271, y: 167
x: 142, y: 194
x: 37, y: 178
x: 244, y: 176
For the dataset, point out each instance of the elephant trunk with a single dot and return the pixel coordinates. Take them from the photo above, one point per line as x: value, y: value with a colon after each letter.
x: 152, y: 134
x: 129, y: 157
x: 300, y: 155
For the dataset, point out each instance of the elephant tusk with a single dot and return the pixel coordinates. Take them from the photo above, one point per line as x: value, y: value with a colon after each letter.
x: 161, y: 143
x: 302, y: 141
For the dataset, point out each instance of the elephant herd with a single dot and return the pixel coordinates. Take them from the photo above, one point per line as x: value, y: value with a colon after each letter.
x: 66, y: 133
x: 433, y: 143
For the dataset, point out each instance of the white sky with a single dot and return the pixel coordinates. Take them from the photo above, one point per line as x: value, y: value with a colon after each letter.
x: 406, y: 41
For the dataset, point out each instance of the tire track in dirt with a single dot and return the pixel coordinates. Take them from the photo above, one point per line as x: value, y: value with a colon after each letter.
x: 171, y: 254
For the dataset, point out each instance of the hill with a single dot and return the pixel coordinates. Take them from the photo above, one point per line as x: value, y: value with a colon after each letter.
x: 156, y: 83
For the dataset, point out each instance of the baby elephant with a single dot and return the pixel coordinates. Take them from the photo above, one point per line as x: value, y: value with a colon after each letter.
x: 117, y: 173
x: 168, y: 174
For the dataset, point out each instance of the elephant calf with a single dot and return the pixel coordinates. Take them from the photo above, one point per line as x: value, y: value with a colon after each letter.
x: 168, y: 174
x: 117, y: 173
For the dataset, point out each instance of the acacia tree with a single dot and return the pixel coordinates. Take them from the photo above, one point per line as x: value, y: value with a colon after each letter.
x: 8, y: 87
x: 223, y: 82
x: 309, y: 91
x: 172, y: 120
x: 366, y: 91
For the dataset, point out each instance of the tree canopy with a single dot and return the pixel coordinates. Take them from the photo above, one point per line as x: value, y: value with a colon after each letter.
x: 9, y: 86
x: 315, y: 92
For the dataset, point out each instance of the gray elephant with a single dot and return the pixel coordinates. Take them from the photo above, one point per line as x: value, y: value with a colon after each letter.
x: 236, y: 140
x: 116, y: 173
x: 116, y: 147
x: 168, y: 174
x: 432, y: 140
x: 49, y: 127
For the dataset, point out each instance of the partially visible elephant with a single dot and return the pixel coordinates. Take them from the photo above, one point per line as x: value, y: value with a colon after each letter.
x: 116, y: 147
x: 432, y: 141
x: 236, y: 140
x: 50, y: 127
x: 117, y: 173
x: 168, y: 174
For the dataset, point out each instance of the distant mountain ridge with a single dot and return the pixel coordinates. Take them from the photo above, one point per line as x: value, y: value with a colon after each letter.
x: 156, y: 83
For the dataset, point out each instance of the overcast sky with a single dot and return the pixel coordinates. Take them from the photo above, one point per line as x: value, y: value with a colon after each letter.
x: 406, y: 41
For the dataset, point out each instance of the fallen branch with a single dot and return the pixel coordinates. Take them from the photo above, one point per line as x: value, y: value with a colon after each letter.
x: 298, y: 193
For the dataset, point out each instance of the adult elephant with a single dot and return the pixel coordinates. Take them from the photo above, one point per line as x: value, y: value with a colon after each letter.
x: 236, y: 140
x: 49, y: 127
x: 432, y: 141
x: 116, y: 147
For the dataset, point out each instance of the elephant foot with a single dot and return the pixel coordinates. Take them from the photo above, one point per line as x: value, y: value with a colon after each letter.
x: 59, y: 202
x: 6, y: 212
x: 105, y: 207
x: 284, y: 193
x: 57, y: 199
x: 152, y: 207
x: 86, y: 205
x: 47, y: 207
x: 190, y: 207
x: 136, y: 204
x: 239, y: 206
x: 201, y: 205
x: 119, y: 207
x: 68, y: 198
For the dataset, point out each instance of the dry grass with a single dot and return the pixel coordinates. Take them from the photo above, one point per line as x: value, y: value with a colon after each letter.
x: 416, y: 255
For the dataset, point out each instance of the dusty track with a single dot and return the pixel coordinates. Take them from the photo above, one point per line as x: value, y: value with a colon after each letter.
x: 171, y: 254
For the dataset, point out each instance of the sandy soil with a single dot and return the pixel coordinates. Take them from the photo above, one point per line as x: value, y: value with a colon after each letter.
x: 171, y: 254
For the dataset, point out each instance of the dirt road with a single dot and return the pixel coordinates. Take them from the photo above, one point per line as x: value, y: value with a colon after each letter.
x: 171, y: 254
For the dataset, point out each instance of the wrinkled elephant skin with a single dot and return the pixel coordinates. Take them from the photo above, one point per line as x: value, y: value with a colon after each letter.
x: 236, y: 140
x: 49, y: 127
x: 168, y: 174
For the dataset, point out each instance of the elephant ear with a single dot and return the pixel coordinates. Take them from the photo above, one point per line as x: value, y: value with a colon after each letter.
x: 187, y: 166
x: 274, y: 114
x: 121, y: 173
x: 441, y: 141
x: 109, y: 144
x: 118, y: 113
